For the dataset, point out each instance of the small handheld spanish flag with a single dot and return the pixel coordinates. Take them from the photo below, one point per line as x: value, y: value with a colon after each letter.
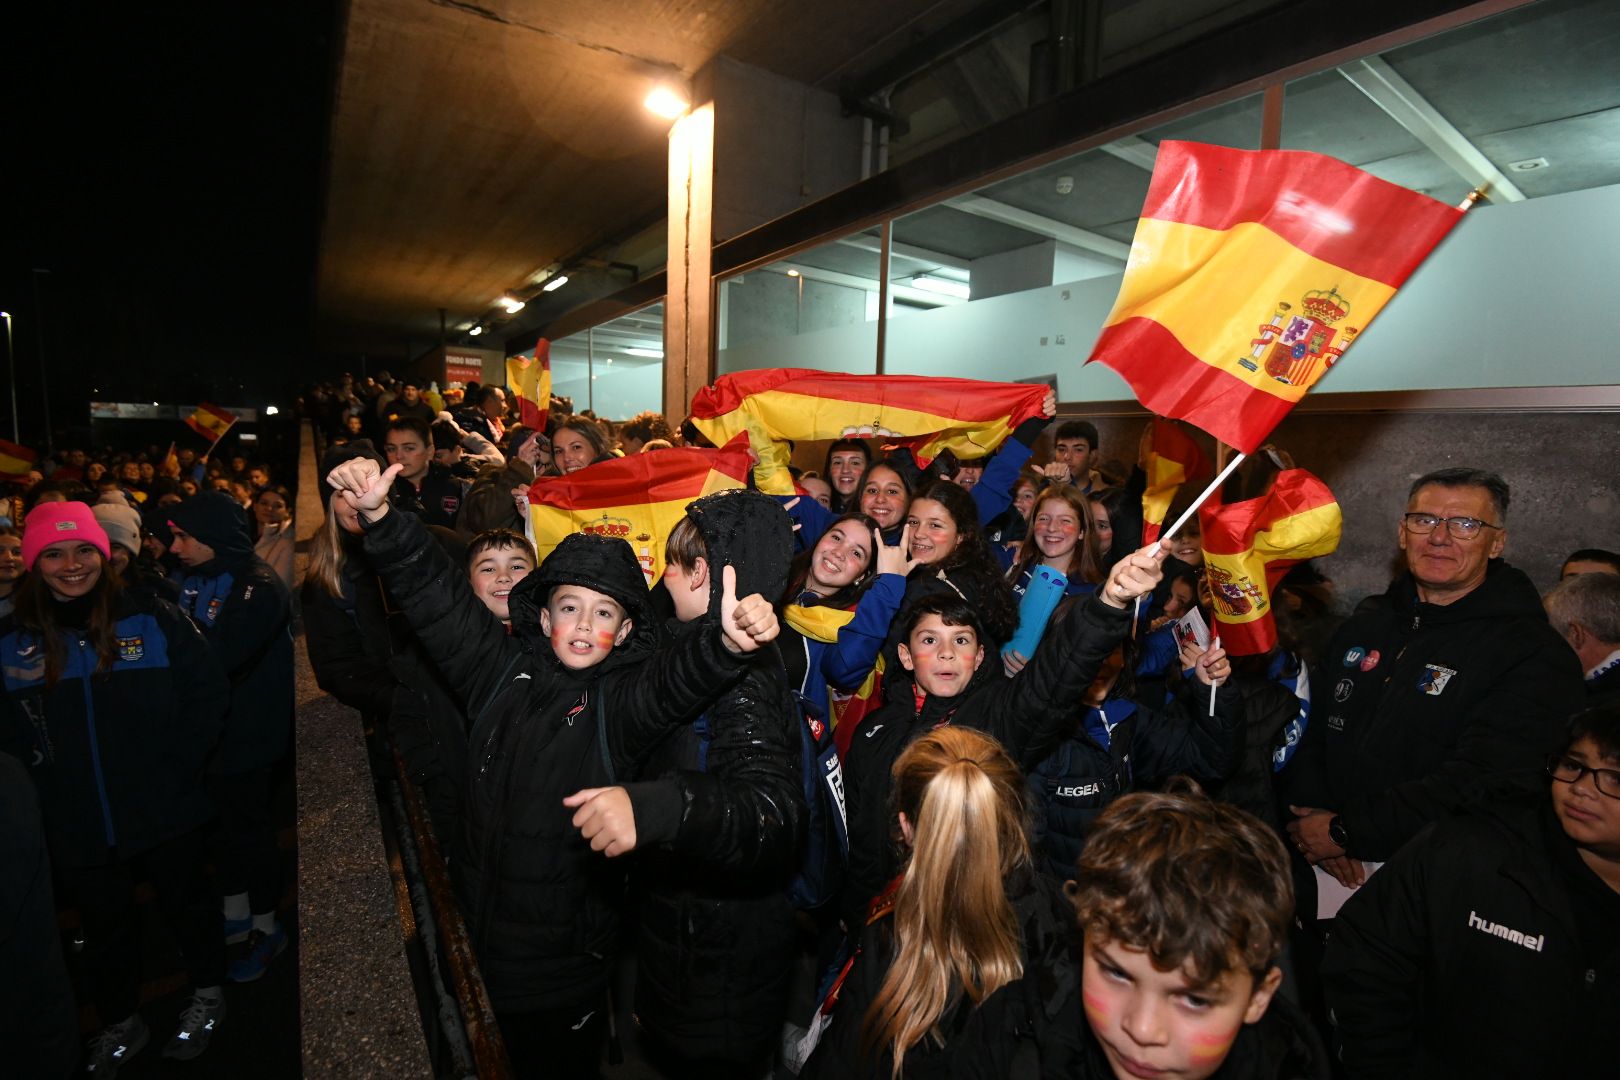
x: 1170, y: 460
x: 638, y: 498
x: 16, y: 461
x: 1250, y: 545
x: 929, y: 414
x: 211, y: 421
x: 530, y: 380
x: 1251, y: 273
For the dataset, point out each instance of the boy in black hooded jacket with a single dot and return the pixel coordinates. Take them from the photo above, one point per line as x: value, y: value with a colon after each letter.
x: 568, y: 704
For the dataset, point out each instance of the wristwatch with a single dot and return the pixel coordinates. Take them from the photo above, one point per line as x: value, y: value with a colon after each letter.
x: 1337, y: 832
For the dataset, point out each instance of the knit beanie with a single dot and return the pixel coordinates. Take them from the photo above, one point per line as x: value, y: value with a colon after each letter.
x: 53, y: 522
x: 122, y: 524
x: 216, y: 520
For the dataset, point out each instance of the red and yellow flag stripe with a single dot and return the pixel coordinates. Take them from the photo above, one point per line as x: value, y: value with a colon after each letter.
x: 966, y: 416
x: 638, y: 498
x: 1250, y: 274
x: 16, y: 461
x: 211, y: 421
x: 1172, y: 459
x: 1250, y: 545
x: 530, y: 380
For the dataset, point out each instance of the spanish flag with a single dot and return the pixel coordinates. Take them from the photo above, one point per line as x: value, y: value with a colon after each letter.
x: 848, y: 709
x: 637, y: 498
x: 1250, y: 545
x: 968, y: 417
x: 16, y: 461
x: 1250, y: 275
x: 211, y: 421
x: 530, y: 380
x: 1170, y: 460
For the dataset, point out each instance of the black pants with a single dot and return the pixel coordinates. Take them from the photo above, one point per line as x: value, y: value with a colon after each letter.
x: 245, y: 855
x: 105, y: 898
x: 556, y: 1044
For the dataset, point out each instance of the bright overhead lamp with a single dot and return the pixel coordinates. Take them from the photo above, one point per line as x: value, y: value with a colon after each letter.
x: 792, y: 273
x: 656, y: 354
x: 512, y: 304
x: 475, y: 331
x: 555, y: 283
x: 666, y: 102
x: 942, y: 286
x: 271, y: 410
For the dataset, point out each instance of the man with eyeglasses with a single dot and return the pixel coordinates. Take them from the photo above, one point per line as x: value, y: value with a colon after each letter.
x: 1490, y: 946
x: 1444, y: 695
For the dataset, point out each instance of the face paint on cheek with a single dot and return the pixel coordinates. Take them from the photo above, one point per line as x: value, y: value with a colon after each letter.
x: 604, y: 639
x: 1096, y: 1009
x: 1212, y: 1046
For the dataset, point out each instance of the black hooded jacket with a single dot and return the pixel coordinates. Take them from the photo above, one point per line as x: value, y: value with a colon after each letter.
x: 722, y: 836
x: 1421, y: 711
x: 1028, y: 714
x: 244, y: 611
x: 541, y: 906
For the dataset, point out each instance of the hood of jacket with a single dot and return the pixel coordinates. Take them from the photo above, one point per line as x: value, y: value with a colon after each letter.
x: 604, y: 564
x: 216, y: 520
x: 1506, y: 592
x: 750, y: 532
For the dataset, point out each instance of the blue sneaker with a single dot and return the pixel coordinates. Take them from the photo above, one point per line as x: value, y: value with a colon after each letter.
x: 262, y: 949
x: 237, y: 929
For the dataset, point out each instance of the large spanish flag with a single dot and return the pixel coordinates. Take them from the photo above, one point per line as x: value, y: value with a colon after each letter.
x: 638, y: 498
x: 928, y: 414
x: 1250, y: 545
x: 1251, y: 273
x: 1170, y: 459
x: 211, y: 421
x: 16, y: 461
x: 530, y: 380
x: 848, y: 709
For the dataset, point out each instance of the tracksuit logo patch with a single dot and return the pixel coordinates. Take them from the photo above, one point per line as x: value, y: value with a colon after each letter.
x: 1434, y: 679
x: 1533, y: 942
x: 131, y: 649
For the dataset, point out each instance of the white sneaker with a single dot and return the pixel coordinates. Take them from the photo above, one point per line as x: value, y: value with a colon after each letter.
x: 198, y: 1022
x: 114, y: 1045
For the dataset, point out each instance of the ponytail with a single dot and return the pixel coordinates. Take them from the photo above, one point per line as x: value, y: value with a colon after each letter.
x: 955, y: 928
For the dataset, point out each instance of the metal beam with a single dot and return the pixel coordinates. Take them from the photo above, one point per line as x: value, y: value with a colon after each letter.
x: 862, y: 242
x: 979, y: 206
x: 1374, y: 77
x: 1133, y: 149
x: 853, y: 281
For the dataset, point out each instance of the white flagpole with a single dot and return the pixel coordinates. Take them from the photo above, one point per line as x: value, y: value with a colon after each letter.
x: 1237, y: 459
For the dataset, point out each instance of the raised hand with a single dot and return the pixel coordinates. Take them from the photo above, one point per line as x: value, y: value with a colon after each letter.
x: 359, y: 483
x: 1212, y: 666
x: 605, y: 817
x: 1049, y: 404
x: 896, y: 558
x: 1135, y: 575
x: 1013, y: 661
x: 745, y: 624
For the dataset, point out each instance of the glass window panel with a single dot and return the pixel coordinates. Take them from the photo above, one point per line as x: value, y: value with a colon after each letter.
x: 817, y: 309
x: 570, y: 369
x: 627, y: 364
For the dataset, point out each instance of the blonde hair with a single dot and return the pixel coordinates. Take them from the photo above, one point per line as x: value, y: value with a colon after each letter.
x: 955, y: 929
x: 326, y: 555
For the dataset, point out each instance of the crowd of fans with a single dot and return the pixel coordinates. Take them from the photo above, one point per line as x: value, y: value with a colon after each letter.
x: 878, y: 813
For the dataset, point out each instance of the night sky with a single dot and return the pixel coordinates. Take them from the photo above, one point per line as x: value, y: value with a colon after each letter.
x: 164, y: 164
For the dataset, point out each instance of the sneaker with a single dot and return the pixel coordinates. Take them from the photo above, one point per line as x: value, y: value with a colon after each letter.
x: 198, y: 1022
x: 262, y: 948
x: 112, y: 1046
x: 237, y: 929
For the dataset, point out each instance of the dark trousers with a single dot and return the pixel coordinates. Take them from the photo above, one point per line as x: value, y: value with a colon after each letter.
x: 556, y: 1044
x: 245, y: 855
x: 105, y: 899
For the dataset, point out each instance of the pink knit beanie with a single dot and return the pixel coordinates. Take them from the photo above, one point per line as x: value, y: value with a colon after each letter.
x: 53, y: 522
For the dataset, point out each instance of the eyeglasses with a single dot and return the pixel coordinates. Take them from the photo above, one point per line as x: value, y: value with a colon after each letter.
x: 1567, y: 770
x: 1463, y: 528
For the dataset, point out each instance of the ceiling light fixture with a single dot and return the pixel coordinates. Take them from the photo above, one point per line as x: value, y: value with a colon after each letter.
x: 942, y: 286
x: 475, y: 331
x: 657, y: 354
x: 555, y: 283
x: 666, y: 102
x: 512, y: 304
x: 792, y: 273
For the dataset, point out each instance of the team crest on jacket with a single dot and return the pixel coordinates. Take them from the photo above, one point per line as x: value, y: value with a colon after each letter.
x: 1434, y: 679
x: 1370, y: 661
x: 1354, y: 655
x: 1343, y: 691
x: 213, y: 609
x: 131, y: 649
x: 1298, y: 347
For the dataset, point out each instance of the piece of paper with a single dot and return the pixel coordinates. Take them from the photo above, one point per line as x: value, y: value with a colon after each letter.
x: 1330, y: 895
x: 1192, y: 628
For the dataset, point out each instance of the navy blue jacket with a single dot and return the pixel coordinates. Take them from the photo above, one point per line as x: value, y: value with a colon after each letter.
x: 118, y: 757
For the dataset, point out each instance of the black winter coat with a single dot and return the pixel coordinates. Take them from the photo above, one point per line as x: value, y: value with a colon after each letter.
x: 1026, y: 713
x: 1467, y: 955
x: 1030, y: 1029
x: 541, y: 906
x: 118, y: 757
x: 1422, y: 711
x: 1073, y: 784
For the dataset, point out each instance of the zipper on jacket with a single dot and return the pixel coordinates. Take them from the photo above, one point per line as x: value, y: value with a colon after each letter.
x: 1591, y: 979
x: 95, y: 752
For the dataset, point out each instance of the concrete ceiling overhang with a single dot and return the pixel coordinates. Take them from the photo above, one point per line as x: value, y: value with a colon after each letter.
x: 472, y: 146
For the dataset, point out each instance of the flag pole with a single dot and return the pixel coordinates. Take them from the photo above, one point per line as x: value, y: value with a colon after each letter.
x: 1213, y: 486
x: 1472, y: 197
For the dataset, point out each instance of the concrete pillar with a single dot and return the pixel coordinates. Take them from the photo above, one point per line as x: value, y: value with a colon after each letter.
x: 689, y: 306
